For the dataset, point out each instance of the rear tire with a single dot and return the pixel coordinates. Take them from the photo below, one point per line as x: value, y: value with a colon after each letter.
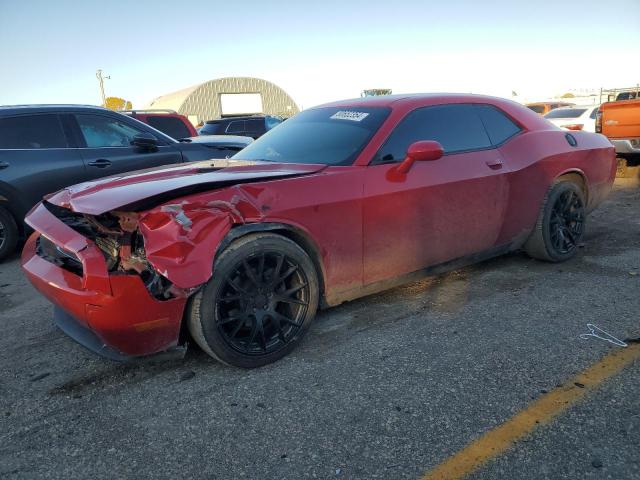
x: 560, y: 225
x: 9, y: 234
x: 259, y: 303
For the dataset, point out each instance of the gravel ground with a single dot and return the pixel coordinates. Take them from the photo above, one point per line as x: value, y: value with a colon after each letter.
x: 384, y: 387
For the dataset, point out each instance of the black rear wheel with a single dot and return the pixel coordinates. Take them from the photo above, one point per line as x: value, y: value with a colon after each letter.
x: 560, y: 226
x: 259, y: 302
x: 8, y: 234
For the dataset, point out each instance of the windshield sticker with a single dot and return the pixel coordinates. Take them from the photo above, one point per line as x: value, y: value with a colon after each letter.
x: 346, y: 115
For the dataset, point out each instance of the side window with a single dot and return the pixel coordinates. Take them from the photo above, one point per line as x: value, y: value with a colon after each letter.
x: 172, y: 126
x: 594, y: 113
x: 101, y: 131
x: 499, y: 127
x: 236, y: 126
x: 272, y: 122
x: 255, y: 125
x: 457, y: 127
x: 210, y: 128
x: 32, y: 131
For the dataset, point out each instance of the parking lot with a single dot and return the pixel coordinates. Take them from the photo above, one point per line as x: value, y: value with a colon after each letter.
x: 389, y: 386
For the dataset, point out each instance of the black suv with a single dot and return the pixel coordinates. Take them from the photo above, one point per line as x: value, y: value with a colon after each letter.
x: 44, y: 148
x: 250, y: 126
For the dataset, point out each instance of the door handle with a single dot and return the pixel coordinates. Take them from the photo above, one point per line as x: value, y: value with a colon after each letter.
x: 100, y: 163
x: 3, y: 165
x: 494, y: 163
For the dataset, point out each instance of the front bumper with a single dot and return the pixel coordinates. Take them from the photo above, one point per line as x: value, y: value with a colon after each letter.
x: 629, y: 146
x: 115, y: 310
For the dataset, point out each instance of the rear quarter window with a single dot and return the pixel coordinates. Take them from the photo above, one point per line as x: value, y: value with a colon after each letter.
x: 272, y: 122
x: 498, y: 125
x: 172, y: 126
x: 32, y: 132
x: 236, y: 126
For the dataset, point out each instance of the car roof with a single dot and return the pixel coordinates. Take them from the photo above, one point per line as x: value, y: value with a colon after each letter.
x: 409, y: 101
x: 415, y: 98
x: 61, y: 108
x: 403, y: 103
x: 42, y: 108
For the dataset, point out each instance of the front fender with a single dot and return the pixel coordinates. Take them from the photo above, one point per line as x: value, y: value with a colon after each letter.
x: 182, y: 238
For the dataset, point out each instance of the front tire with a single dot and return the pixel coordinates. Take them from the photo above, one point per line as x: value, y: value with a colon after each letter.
x: 258, y: 304
x: 560, y: 225
x: 9, y: 234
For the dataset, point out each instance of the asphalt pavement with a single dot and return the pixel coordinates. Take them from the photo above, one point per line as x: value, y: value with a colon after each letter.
x: 387, y: 387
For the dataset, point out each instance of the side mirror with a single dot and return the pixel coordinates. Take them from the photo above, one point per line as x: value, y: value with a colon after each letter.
x: 422, y: 151
x: 145, y: 140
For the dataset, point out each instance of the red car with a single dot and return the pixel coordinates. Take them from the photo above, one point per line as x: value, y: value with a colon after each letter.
x: 168, y: 122
x: 340, y: 201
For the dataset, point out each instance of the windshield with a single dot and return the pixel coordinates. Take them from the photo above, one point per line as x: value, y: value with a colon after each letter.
x: 330, y: 136
x: 565, y: 113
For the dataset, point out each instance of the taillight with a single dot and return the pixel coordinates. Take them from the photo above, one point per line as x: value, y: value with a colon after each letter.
x: 599, y: 121
x: 573, y: 126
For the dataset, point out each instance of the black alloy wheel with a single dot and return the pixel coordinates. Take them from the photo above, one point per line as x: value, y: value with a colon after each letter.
x: 263, y: 303
x: 561, y: 224
x: 566, y: 222
x: 258, y: 304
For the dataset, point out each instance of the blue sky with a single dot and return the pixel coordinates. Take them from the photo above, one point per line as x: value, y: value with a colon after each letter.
x: 317, y: 51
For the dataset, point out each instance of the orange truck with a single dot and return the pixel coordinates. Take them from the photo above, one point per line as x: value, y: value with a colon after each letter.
x: 619, y: 121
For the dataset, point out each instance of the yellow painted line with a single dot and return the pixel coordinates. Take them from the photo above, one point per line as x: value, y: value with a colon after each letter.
x: 540, y: 412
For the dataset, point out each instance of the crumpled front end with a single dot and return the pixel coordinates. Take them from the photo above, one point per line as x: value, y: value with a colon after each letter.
x: 97, y: 272
x: 121, y: 257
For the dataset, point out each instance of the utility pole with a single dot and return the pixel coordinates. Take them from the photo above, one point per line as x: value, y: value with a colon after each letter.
x: 101, y: 79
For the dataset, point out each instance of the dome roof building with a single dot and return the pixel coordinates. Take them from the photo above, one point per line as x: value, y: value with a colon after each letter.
x: 226, y: 97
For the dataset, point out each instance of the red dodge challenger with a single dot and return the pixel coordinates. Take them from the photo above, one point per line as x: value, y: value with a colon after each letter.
x: 340, y: 201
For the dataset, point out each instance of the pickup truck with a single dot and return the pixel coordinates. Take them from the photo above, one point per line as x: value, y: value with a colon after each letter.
x: 620, y: 122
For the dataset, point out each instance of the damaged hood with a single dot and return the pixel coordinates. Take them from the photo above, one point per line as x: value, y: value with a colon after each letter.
x: 144, y: 189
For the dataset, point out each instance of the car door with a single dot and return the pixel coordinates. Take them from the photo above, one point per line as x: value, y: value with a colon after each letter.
x: 36, y: 158
x: 108, y: 149
x: 440, y: 210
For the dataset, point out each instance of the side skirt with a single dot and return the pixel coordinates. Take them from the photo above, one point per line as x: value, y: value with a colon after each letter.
x: 377, y: 287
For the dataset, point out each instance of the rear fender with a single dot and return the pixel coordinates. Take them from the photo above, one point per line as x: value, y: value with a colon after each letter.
x: 578, y: 177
